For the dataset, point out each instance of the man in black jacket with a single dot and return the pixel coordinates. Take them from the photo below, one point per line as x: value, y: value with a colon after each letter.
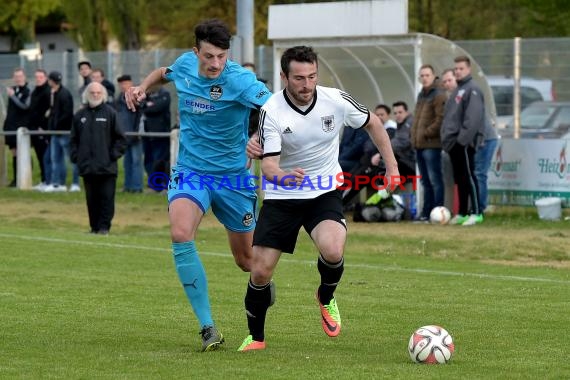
x: 97, y: 142
x: 39, y: 106
x: 60, y: 119
x: 129, y: 120
x: 17, y: 114
x: 156, y: 114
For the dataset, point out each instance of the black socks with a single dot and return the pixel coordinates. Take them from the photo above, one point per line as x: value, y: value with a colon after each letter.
x: 257, y: 301
x: 330, y: 277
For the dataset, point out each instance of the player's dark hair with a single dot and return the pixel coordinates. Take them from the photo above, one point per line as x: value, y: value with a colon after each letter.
x: 384, y: 107
x: 400, y: 103
x: 298, y: 54
x: 213, y: 31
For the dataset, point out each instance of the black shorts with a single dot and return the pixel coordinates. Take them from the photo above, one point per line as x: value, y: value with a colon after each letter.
x: 280, y: 220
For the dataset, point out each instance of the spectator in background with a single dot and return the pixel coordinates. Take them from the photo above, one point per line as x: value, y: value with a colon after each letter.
x: 426, y: 140
x: 129, y: 121
x: 383, y: 112
x: 98, y: 75
x: 399, y: 134
x: 39, y: 106
x: 461, y: 133
x: 448, y: 81
x: 84, y: 68
x: 483, y: 158
x: 401, y: 143
x: 17, y: 114
x: 251, y: 67
x: 60, y: 119
x: 351, y: 148
x: 96, y: 143
x: 449, y: 84
x: 156, y: 116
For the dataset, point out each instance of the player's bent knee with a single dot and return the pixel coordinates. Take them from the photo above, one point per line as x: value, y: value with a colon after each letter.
x: 180, y: 235
x: 261, y: 277
x: 333, y: 255
x: 261, y: 274
x: 243, y: 263
x: 243, y: 259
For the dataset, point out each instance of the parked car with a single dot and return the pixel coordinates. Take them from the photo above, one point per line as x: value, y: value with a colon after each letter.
x: 531, y: 90
x: 542, y: 120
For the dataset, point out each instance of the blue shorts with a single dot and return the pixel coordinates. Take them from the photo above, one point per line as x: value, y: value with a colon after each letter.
x: 232, y: 197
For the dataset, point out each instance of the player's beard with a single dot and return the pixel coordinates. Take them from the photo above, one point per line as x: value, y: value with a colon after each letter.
x: 300, y: 97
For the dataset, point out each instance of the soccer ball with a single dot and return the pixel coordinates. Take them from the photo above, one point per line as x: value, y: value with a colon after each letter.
x: 431, y: 345
x: 439, y: 215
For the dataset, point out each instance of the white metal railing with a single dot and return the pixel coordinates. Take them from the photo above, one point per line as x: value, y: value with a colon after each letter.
x: 24, y: 157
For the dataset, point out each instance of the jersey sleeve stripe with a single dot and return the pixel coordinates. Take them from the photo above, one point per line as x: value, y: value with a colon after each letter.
x: 351, y: 100
x: 261, y: 138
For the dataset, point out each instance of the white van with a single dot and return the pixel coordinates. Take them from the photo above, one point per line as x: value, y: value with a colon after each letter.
x: 532, y: 90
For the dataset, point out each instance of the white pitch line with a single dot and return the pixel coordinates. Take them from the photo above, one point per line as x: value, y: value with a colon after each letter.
x: 390, y: 268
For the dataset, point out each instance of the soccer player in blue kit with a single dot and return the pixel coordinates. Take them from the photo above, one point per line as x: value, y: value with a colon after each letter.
x: 215, y: 96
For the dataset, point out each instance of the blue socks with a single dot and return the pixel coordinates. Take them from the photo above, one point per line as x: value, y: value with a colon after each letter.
x: 193, y: 277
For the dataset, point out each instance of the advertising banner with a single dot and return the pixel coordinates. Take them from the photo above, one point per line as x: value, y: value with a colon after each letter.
x: 525, y: 170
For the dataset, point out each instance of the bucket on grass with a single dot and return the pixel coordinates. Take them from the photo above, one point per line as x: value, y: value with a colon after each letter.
x: 549, y: 208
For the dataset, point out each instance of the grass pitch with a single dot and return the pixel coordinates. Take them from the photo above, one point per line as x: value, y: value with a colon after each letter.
x: 75, y: 305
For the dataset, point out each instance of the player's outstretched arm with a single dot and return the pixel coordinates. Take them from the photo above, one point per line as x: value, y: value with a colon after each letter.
x: 135, y: 95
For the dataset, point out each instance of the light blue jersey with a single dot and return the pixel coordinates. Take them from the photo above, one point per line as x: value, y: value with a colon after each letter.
x: 214, y: 115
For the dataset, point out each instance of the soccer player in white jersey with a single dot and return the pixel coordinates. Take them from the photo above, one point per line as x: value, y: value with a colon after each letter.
x: 299, y: 133
x: 215, y: 98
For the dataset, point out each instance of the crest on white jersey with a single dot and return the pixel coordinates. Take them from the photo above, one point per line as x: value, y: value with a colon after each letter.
x: 327, y: 123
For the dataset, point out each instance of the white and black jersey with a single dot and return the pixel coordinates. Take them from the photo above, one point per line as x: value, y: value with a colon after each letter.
x: 308, y: 139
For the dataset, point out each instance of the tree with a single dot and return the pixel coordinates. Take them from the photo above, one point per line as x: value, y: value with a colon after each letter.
x: 95, y: 22
x: 127, y: 21
x: 173, y: 21
x: 489, y: 19
x: 18, y: 19
x: 88, y: 27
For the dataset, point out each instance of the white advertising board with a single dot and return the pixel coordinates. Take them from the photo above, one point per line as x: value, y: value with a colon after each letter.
x: 525, y: 170
x: 338, y: 19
